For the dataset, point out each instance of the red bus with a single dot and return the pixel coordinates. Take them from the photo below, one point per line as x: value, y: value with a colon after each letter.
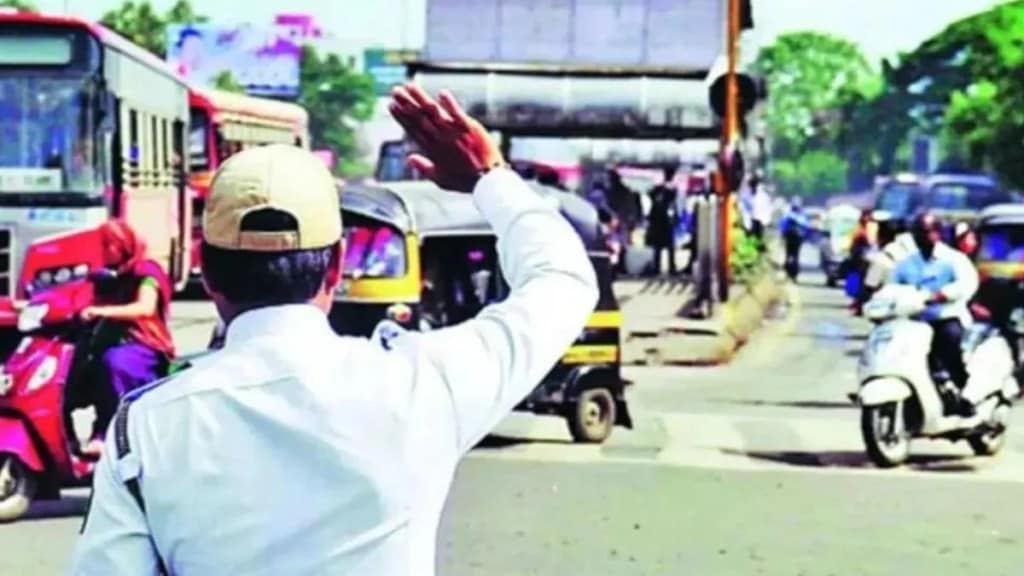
x: 91, y: 127
x: 222, y: 123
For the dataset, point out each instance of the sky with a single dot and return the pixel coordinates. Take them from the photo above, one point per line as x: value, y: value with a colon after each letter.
x: 880, y: 27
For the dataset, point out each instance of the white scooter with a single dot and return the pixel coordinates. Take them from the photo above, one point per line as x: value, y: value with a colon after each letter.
x: 899, y: 396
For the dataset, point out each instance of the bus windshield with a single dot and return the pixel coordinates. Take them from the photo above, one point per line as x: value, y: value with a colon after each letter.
x: 48, y: 134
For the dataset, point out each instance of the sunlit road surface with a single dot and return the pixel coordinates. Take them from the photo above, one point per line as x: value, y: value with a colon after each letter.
x: 753, y: 468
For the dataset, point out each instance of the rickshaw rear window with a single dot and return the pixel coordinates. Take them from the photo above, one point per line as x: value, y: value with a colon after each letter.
x: 898, y: 198
x: 956, y: 196
x: 374, y: 250
x: 1002, y: 244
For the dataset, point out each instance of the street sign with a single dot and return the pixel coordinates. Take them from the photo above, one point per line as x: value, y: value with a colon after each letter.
x: 387, y: 67
x: 673, y: 34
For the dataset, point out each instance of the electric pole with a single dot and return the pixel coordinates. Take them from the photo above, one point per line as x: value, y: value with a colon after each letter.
x: 728, y: 148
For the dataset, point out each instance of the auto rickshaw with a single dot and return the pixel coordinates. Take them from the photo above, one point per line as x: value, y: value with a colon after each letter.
x: 1000, y: 262
x: 426, y: 258
x: 838, y: 224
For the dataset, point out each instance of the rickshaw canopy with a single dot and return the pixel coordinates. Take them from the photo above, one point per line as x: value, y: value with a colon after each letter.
x: 422, y: 208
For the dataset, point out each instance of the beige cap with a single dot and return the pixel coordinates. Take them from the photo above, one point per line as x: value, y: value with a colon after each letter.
x: 280, y: 177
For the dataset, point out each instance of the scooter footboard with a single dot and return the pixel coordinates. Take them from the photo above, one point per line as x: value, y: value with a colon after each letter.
x: 881, y: 391
x: 15, y: 439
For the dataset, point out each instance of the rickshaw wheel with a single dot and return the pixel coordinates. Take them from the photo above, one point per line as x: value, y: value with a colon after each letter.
x: 592, y: 416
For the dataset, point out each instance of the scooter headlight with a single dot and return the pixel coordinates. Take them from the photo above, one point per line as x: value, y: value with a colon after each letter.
x: 31, y: 317
x: 44, y: 373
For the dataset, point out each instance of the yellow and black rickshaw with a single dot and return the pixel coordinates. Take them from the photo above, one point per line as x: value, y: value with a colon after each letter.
x: 425, y: 258
x: 1000, y: 262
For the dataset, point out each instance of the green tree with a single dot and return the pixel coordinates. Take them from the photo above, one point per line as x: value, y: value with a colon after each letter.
x: 23, y: 5
x: 140, y: 23
x: 823, y: 173
x: 182, y: 12
x: 143, y: 25
x: 810, y: 77
x: 337, y: 97
x: 983, y: 123
x: 815, y: 173
x: 226, y: 81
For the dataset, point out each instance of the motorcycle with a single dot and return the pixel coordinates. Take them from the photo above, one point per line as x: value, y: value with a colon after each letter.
x: 39, y: 450
x: 902, y: 397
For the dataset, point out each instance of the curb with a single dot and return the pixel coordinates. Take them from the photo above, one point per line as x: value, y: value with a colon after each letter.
x: 710, y: 343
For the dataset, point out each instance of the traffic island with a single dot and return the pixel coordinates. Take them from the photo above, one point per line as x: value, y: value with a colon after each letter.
x: 672, y: 339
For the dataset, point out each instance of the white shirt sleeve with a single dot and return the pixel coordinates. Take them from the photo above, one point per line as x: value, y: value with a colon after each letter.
x: 489, y: 364
x: 966, y: 283
x: 115, y: 539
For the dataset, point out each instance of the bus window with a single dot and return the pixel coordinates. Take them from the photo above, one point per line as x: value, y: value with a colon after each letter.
x: 49, y: 123
x: 198, y: 140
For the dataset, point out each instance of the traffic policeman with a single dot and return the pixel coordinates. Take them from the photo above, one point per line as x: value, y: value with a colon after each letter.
x: 294, y: 451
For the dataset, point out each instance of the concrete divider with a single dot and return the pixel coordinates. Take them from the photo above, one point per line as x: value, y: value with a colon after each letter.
x: 682, y: 342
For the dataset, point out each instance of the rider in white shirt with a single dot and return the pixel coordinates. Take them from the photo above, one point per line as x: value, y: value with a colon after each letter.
x: 949, y: 276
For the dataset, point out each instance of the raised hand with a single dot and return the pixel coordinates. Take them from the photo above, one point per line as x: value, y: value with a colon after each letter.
x: 455, y: 149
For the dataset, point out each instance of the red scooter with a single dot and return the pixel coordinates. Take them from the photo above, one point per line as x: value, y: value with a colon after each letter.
x: 39, y: 450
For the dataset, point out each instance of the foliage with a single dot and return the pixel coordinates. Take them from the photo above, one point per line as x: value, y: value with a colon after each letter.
x: 746, y: 258
x: 139, y: 23
x: 814, y: 173
x: 811, y: 76
x: 336, y: 96
x: 983, y: 123
x: 963, y: 84
x: 226, y: 81
x: 182, y: 12
x: 22, y: 5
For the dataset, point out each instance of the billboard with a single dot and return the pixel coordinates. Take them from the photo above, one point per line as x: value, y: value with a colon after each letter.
x: 264, y: 59
x: 387, y: 67
x: 675, y: 34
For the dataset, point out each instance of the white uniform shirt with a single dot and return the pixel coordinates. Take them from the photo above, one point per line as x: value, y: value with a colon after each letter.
x: 295, y: 451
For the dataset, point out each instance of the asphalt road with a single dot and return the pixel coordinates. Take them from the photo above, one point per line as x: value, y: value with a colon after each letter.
x: 753, y: 468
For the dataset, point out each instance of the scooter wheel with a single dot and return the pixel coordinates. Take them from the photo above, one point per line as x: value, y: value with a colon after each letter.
x: 992, y: 441
x: 17, y: 487
x: 886, y: 446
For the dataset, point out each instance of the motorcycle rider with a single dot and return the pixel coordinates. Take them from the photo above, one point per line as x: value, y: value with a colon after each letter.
x: 952, y: 280
x: 137, y: 304
x: 894, y: 244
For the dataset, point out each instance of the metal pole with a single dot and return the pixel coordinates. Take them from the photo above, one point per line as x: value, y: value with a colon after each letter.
x: 728, y: 147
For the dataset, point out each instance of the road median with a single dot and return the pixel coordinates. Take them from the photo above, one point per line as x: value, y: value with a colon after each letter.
x: 657, y: 331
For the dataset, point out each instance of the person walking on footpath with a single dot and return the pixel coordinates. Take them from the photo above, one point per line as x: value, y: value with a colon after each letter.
x: 292, y: 450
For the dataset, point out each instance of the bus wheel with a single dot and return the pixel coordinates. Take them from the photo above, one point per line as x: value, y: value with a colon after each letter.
x: 592, y: 416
